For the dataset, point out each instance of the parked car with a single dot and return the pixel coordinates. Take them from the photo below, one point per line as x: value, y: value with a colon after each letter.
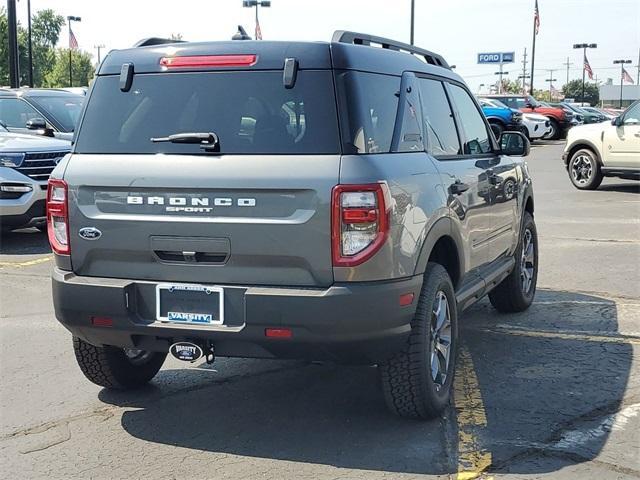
x: 38, y: 111
x: 501, y: 117
x: 587, y: 117
x: 606, y: 116
x: 25, y: 164
x: 604, y: 150
x: 300, y: 205
x: 560, y: 120
x: 537, y: 126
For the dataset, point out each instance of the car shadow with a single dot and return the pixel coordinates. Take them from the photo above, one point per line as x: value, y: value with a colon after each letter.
x: 621, y: 187
x: 29, y: 241
x: 535, y: 387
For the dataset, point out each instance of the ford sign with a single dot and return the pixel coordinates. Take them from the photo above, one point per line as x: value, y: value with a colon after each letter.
x: 496, y: 57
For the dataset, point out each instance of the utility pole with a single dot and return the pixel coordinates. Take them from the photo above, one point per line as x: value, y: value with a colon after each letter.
x: 584, y: 47
x: 14, y: 68
x: 638, y: 67
x: 622, y: 63
x: 567, y: 64
x: 524, y: 75
x: 550, y: 80
x: 30, y: 53
x: 413, y: 16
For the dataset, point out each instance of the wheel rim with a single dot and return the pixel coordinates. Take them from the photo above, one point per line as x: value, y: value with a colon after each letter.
x: 136, y: 356
x: 509, y: 189
x: 440, y: 340
x: 527, y: 261
x: 552, y: 132
x: 581, y: 169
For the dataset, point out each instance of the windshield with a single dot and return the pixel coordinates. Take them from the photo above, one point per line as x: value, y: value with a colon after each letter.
x: 64, y: 109
x: 250, y: 112
x: 496, y: 103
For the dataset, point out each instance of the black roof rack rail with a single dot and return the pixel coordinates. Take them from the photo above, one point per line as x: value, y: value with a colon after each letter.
x: 147, y: 42
x: 343, y: 36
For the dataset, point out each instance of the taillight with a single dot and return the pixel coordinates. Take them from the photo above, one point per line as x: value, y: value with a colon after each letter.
x: 360, y: 222
x: 58, y: 216
x: 193, y: 61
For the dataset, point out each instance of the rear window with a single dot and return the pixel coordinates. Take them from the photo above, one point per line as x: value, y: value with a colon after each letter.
x: 65, y: 109
x: 251, y: 112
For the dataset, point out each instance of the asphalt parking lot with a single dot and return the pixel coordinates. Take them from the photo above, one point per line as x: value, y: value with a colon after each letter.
x: 550, y: 393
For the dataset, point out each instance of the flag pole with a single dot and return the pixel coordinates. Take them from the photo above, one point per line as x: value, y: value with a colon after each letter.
x: 533, y: 48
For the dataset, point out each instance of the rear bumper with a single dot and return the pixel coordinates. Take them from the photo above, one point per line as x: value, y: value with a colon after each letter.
x: 348, y: 322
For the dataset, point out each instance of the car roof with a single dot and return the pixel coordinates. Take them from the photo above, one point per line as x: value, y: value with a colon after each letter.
x: 347, y: 50
x: 35, y: 92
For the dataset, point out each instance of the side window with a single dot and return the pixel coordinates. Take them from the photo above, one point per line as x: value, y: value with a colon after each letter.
x: 439, y: 126
x: 15, y: 112
x: 632, y: 117
x: 368, y: 104
x: 408, y: 134
x: 475, y: 130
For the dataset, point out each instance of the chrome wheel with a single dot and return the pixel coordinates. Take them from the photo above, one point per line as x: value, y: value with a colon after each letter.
x: 581, y: 169
x: 440, y: 340
x: 527, y: 261
x: 136, y: 356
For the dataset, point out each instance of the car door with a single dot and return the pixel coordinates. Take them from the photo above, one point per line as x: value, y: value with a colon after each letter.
x: 15, y: 113
x: 621, y: 143
x: 460, y: 173
x: 497, y: 181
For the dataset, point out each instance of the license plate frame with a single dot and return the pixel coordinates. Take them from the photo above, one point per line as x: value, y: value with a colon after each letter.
x: 190, y: 318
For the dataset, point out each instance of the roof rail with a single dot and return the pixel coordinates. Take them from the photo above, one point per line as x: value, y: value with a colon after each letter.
x: 147, y: 42
x: 343, y: 36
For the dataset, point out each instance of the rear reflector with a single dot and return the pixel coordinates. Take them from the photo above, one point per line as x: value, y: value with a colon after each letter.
x: 278, y: 332
x: 406, y: 299
x: 102, y: 322
x: 209, y: 61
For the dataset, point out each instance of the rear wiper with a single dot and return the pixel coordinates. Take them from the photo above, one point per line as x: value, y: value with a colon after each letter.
x: 208, y: 140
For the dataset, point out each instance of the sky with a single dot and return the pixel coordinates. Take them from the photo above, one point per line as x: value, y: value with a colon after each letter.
x: 456, y: 29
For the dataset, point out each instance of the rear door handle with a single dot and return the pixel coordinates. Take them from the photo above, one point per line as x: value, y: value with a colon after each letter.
x: 458, y: 188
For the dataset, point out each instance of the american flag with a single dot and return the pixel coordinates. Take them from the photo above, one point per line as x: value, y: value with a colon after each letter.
x: 536, y: 18
x: 626, y: 77
x: 73, y: 43
x: 258, y: 31
x: 587, y: 68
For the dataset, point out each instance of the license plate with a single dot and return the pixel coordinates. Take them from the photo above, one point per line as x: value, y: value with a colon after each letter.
x: 190, y: 304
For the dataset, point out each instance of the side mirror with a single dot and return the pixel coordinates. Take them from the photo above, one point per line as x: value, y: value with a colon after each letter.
x: 514, y: 144
x: 530, y: 105
x: 617, y: 121
x: 36, y: 124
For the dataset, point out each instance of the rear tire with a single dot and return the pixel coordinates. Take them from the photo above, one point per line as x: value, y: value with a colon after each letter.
x: 515, y: 293
x: 584, y: 170
x: 417, y: 381
x: 113, y: 367
x: 497, y: 129
x: 554, y: 133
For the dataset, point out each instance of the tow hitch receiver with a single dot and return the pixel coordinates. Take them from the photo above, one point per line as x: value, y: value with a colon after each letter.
x: 186, y: 351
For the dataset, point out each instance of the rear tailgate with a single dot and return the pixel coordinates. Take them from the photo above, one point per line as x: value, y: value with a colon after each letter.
x: 227, y: 219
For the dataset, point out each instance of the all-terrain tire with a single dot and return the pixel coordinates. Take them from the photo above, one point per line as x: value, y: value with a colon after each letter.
x: 555, y: 132
x: 511, y: 295
x: 110, y: 367
x: 584, y: 170
x: 407, y: 382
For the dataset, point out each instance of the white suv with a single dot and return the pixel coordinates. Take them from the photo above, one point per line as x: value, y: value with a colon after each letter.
x: 602, y: 150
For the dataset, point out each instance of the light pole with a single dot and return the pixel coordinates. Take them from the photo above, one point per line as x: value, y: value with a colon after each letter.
x: 99, y: 47
x: 69, y: 20
x: 622, y: 64
x: 256, y: 4
x: 584, y: 47
x: 29, y: 43
x: 413, y: 17
x: 480, y: 88
x: 550, y: 80
x: 14, y: 66
x: 500, y: 73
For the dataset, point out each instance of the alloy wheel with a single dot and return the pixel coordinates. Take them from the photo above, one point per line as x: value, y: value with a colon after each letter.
x: 582, y: 169
x: 527, y: 261
x: 440, y: 340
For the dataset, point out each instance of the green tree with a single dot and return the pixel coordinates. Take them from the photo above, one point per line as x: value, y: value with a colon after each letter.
x: 82, y: 68
x: 573, y: 89
x: 511, y: 86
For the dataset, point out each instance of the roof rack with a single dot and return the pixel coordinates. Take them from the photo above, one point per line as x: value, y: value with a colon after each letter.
x: 343, y: 36
x: 147, y: 42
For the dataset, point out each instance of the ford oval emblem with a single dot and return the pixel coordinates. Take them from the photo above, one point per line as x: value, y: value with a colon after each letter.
x: 90, y: 233
x: 186, y: 351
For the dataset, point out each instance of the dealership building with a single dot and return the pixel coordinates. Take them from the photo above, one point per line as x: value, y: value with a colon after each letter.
x: 610, y: 95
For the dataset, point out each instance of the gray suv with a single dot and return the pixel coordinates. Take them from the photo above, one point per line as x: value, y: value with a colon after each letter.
x: 324, y: 201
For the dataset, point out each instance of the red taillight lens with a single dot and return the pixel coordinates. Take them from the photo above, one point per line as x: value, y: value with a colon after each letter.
x: 58, y: 216
x: 209, y: 61
x: 360, y: 223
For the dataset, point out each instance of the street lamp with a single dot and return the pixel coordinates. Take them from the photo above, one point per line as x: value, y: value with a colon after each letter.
x: 622, y: 63
x: 69, y: 20
x: 480, y: 88
x: 256, y: 4
x: 584, y: 47
x: 99, y: 47
x: 413, y: 16
x: 500, y: 73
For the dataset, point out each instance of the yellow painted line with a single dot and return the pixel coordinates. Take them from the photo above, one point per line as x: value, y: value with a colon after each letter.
x: 471, y: 418
x: 28, y: 263
x: 564, y: 335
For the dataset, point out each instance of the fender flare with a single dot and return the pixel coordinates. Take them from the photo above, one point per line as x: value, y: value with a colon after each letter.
x: 495, y: 119
x: 583, y: 143
x: 443, y: 227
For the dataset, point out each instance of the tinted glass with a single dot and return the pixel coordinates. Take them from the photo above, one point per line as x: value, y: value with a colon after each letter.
x: 410, y: 134
x: 475, y: 131
x: 438, y: 120
x: 251, y: 112
x: 632, y: 116
x: 369, y: 105
x: 15, y: 112
x: 64, y: 109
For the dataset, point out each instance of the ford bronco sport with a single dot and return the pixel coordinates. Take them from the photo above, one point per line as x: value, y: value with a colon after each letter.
x: 341, y: 201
